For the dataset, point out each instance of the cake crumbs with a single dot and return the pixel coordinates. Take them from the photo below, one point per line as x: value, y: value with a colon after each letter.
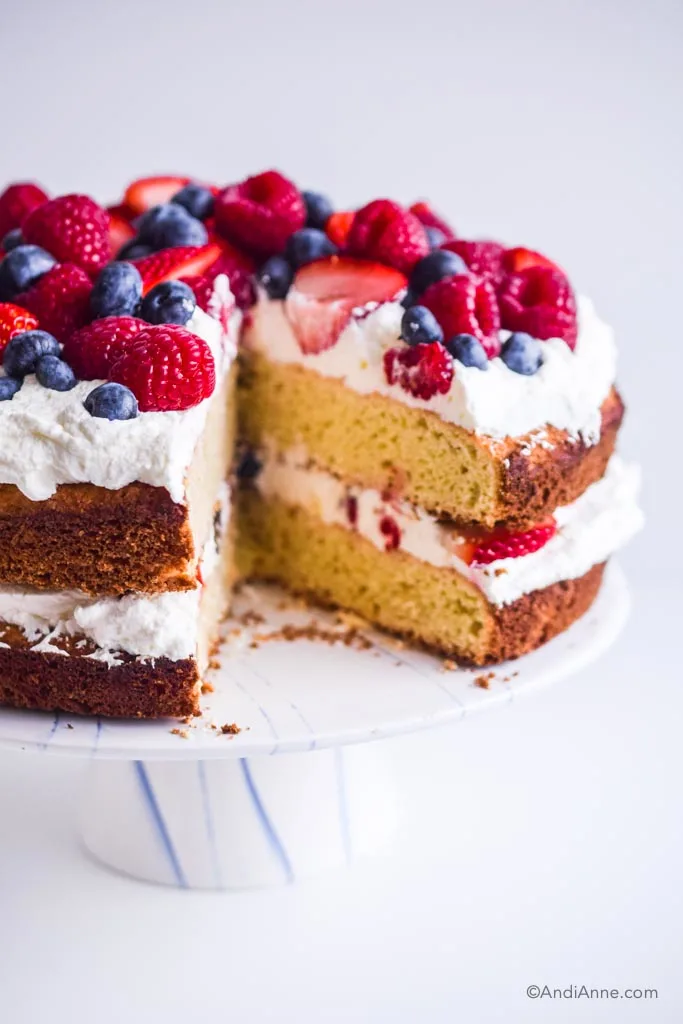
x: 484, y: 681
x: 350, y: 637
x: 209, y: 687
x: 183, y: 733
x: 251, y: 618
x: 449, y: 665
x: 230, y: 729
x: 69, y: 725
x: 500, y: 572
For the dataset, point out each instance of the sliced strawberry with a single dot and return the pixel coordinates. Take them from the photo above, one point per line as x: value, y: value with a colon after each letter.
x: 483, y: 547
x: 338, y: 227
x: 172, y: 264
x: 120, y: 228
x: 144, y: 193
x: 14, y: 320
x: 520, y: 258
x: 324, y: 295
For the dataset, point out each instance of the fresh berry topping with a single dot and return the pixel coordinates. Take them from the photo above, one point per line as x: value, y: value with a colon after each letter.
x: 167, y: 368
x: 520, y: 258
x: 466, y: 305
x: 112, y: 402
x: 8, y: 388
x: 238, y: 268
x: 419, y: 326
x: 121, y: 231
x: 434, y: 237
x: 60, y: 299
x: 485, y: 259
x: 53, y: 373
x: 352, y: 509
x: 319, y: 209
x: 276, y: 276
x: 170, y: 225
x: 387, y: 232
x: 21, y: 268
x: 24, y: 350
x: 117, y: 291
x: 14, y: 320
x: 134, y: 250
x: 16, y: 202
x: 503, y: 544
x: 172, y: 264
x: 435, y: 267
x: 338, y: 227
x: 12, y: 239
x: 74, y: 229
x: 540, y: 302
x: 421, y: 370
x: 171, y: 302
x: 522, y: 353
x: 307, y: 245
x: 468, y: 350
x: 249, y: 465
x: 325, y: 294
x: 260, y: 213
x: 144, y: 193
x: 91, y: 351
x: 391, y: 532
x: 197, y: 200
x: 430, y: 219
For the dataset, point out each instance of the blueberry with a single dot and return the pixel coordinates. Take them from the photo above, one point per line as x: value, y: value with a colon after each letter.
x: 409, y: 299
x: 171, y: 302
x: 197, y: 200
x: 117, y: 291
x: 134, y: 250
x: 522, y: 353
x: 8, y: 388
x: 53, y: 373
x: 307, y: 245
x: 169, y: 225
x: 21, y: 267
x: 12, y: 239
x: 24, y: 350
x: 438, y: 264
x: 276, y: 276
x: 468, y: 350
x: 249, y: 466
x: 319, y: 209
x: 419, y: 326
x: 112, y: 402
x: 435, y: 237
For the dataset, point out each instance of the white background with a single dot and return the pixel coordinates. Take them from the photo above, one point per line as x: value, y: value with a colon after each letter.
x: 540, y: 844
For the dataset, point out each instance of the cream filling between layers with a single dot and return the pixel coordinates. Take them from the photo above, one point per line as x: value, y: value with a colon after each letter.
x: 589, y: 530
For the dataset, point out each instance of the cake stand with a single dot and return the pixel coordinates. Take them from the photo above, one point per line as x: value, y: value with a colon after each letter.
x: 208, y: 805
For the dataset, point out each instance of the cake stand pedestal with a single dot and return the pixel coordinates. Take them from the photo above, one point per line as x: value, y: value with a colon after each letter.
x: 260, y: 789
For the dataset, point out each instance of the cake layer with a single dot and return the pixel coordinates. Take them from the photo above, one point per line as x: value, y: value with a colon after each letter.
x: 425, y: 603
x: 413, y: 454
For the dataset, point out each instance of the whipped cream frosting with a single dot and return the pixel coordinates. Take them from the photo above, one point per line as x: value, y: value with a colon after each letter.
x: 48, y: 437
x: 566, y: 392
x: 589, y: 530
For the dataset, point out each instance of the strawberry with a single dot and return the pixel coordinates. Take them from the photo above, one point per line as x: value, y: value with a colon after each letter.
x: 74, y: 229
x: 465, y: 304
x: 239, y: 269
x: 483, y: 258
x: 171, y: 264
x: 144, y: 193
x: 338, y: 227
x: 324, y: 295
x: 422, y: 370
x: 482, y: 548
x: 387, y: 232
x: 60, y: 299
x: 167, y: 368
x: 121, y: 229
x: 14, y: 320
x: 91, y: 351
x: 16, y: 202
x: 539, y: 301
x: 260, y: 213
x: 429, y: 219
x: 520, y: 258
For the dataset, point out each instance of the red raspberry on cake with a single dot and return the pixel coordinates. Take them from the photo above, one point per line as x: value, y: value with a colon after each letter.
x: 426, y: 216
x: 74, y: 229
x: 14, y: 320
x: 466, y: 304
x: 481, y: 547
x: 423, y: 370
x: 484, y: 258
x: 167, y: 368
x: 539, y: 301
x: 387, y: 232
x: 60, y: 299
x: 16, y: 202
x: 260, y: 213
x: 91, y: 351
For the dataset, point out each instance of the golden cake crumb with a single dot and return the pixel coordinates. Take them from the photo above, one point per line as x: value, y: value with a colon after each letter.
x: 230, y: 729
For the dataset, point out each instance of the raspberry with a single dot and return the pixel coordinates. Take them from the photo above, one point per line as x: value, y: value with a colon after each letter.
x: 430, y: 219
x: 391, y: 531
x: 421, y: 370
x: 91, y: 351
x: 167, y: 368
x: 485, y: 259
x: 60, y: 299
x: 14, y: 320
x: 16, y: 202
x: 540, y: 302
x: 466, y: 305
x: 388, y: 233
x: 502, y: 544
x: 74, y: 229
x: 260, y: 213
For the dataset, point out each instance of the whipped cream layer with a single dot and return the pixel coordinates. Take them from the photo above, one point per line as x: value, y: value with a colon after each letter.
x: 48, y: 437
x: 589, y: 530
x: 566, y: 392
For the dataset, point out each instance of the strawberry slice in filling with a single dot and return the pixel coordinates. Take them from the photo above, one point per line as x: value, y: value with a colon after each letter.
x: 481, y: 547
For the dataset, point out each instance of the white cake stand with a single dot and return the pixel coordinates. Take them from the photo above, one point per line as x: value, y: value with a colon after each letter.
x: 198, y: 807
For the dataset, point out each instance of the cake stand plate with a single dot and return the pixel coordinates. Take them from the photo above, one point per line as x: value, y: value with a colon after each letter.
x: 203, y: 805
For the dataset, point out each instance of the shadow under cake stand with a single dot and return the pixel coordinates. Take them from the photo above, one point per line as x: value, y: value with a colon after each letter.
x: 202, y: 805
